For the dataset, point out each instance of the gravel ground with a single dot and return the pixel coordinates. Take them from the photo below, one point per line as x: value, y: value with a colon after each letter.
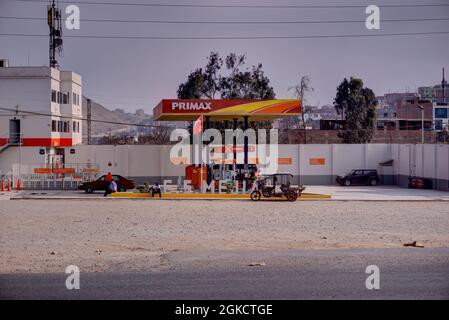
x: 141, y: 235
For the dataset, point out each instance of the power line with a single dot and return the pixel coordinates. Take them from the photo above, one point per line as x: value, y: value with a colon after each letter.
x: 15, y: 111
x: 75, y: 118
x: 232, y: 37
x: 179, y: 5
x: 230, y: 22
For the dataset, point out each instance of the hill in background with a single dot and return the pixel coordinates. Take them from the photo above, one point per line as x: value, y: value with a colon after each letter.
x: 100, y: 129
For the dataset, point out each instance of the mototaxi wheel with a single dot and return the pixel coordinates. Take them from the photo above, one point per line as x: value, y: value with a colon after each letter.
x: 256, y: 195
x: 292, y: 196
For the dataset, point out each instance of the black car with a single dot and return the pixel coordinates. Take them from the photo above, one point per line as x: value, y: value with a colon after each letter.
x: 359, y: 177
x: 123, y: 184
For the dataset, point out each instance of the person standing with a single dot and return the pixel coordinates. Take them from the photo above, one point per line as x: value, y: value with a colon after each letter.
x: 112, y: 187
x: 108, y: 180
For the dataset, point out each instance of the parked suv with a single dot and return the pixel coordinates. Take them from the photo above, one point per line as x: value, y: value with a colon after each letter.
x: 359, y: 177
x: 123, y: 184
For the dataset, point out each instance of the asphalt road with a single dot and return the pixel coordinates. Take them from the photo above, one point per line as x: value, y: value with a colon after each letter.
x: 408, y: 273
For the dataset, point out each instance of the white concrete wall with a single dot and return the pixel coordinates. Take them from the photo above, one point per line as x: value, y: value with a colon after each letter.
x: 442, y: 166
x: 14, y: 155
x: 322, y: 174
x: 430, y: 161
x: 347, y: 157
x: 152, y: 161
x: 290, y: 151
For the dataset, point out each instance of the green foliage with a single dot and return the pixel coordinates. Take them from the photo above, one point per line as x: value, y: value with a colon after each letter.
x: 358, y: 106
x: 235, y: 84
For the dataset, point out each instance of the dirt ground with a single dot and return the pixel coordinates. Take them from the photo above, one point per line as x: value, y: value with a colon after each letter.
x: 139, y: 235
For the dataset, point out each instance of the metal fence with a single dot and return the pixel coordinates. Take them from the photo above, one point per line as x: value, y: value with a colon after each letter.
x: 44, y: 177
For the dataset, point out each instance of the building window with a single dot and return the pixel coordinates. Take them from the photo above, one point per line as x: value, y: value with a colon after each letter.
x: 76, y: 126
x: 59, y: 126
x: 53, y: 95
x: 65, y: 98
x: 441, y: 113
x: 54, y: 126
x: 66, y: 126
x: 76, y: 99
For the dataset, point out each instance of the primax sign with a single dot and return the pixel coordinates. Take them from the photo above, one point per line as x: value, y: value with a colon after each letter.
x: 197, y: 106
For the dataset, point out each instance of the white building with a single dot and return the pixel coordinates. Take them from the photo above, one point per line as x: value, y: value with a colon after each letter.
x: 48, y: 112
x: 441, y: 116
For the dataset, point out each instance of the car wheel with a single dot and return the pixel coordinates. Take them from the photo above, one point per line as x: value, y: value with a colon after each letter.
x: 347, y: 182
x: 121, y: 189
x: 373, y: 182
x: 89, y: 190
x: 255, y: 195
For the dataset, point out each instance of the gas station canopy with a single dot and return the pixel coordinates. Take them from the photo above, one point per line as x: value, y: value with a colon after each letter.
x: 255, y: 110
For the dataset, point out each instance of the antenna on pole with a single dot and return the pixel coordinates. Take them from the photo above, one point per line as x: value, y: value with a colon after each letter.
x: 55, y: 26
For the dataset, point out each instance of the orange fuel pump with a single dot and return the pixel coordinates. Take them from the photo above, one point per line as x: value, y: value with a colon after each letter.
x: 194, y: 175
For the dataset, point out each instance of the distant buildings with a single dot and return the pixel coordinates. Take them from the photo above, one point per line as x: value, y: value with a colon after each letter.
x: 434, y: 93
x: 438, y: 93
x: 325, y: 112
x: 313, y: 116
x: 140, y: 113
x: 401, y: 111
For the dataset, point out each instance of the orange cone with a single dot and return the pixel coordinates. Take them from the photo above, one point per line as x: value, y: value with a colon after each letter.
x: 9, y: 185
x: 3, y: 185
x: 18, y: 184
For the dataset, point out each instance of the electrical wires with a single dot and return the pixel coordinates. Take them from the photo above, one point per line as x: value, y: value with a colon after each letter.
x: 233, y: 37
x: 240, y: 6
x: 229, y: 22
x: 43, y: 114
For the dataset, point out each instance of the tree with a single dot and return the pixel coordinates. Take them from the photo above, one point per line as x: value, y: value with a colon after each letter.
x: 248, y: 84
x: 301, y: 89
x: 236, y: 84
x: 202, y: 84
x: 194, y: 86
x: 358, y: 107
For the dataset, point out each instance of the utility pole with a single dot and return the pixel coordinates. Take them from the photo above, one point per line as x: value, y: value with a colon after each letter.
x: 422, y: 123
x: 55, y: 26
x: 443, y: 86
x: 89, y: 122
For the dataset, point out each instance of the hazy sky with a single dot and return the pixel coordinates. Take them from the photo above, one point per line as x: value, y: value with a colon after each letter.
x: 138, y: 73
